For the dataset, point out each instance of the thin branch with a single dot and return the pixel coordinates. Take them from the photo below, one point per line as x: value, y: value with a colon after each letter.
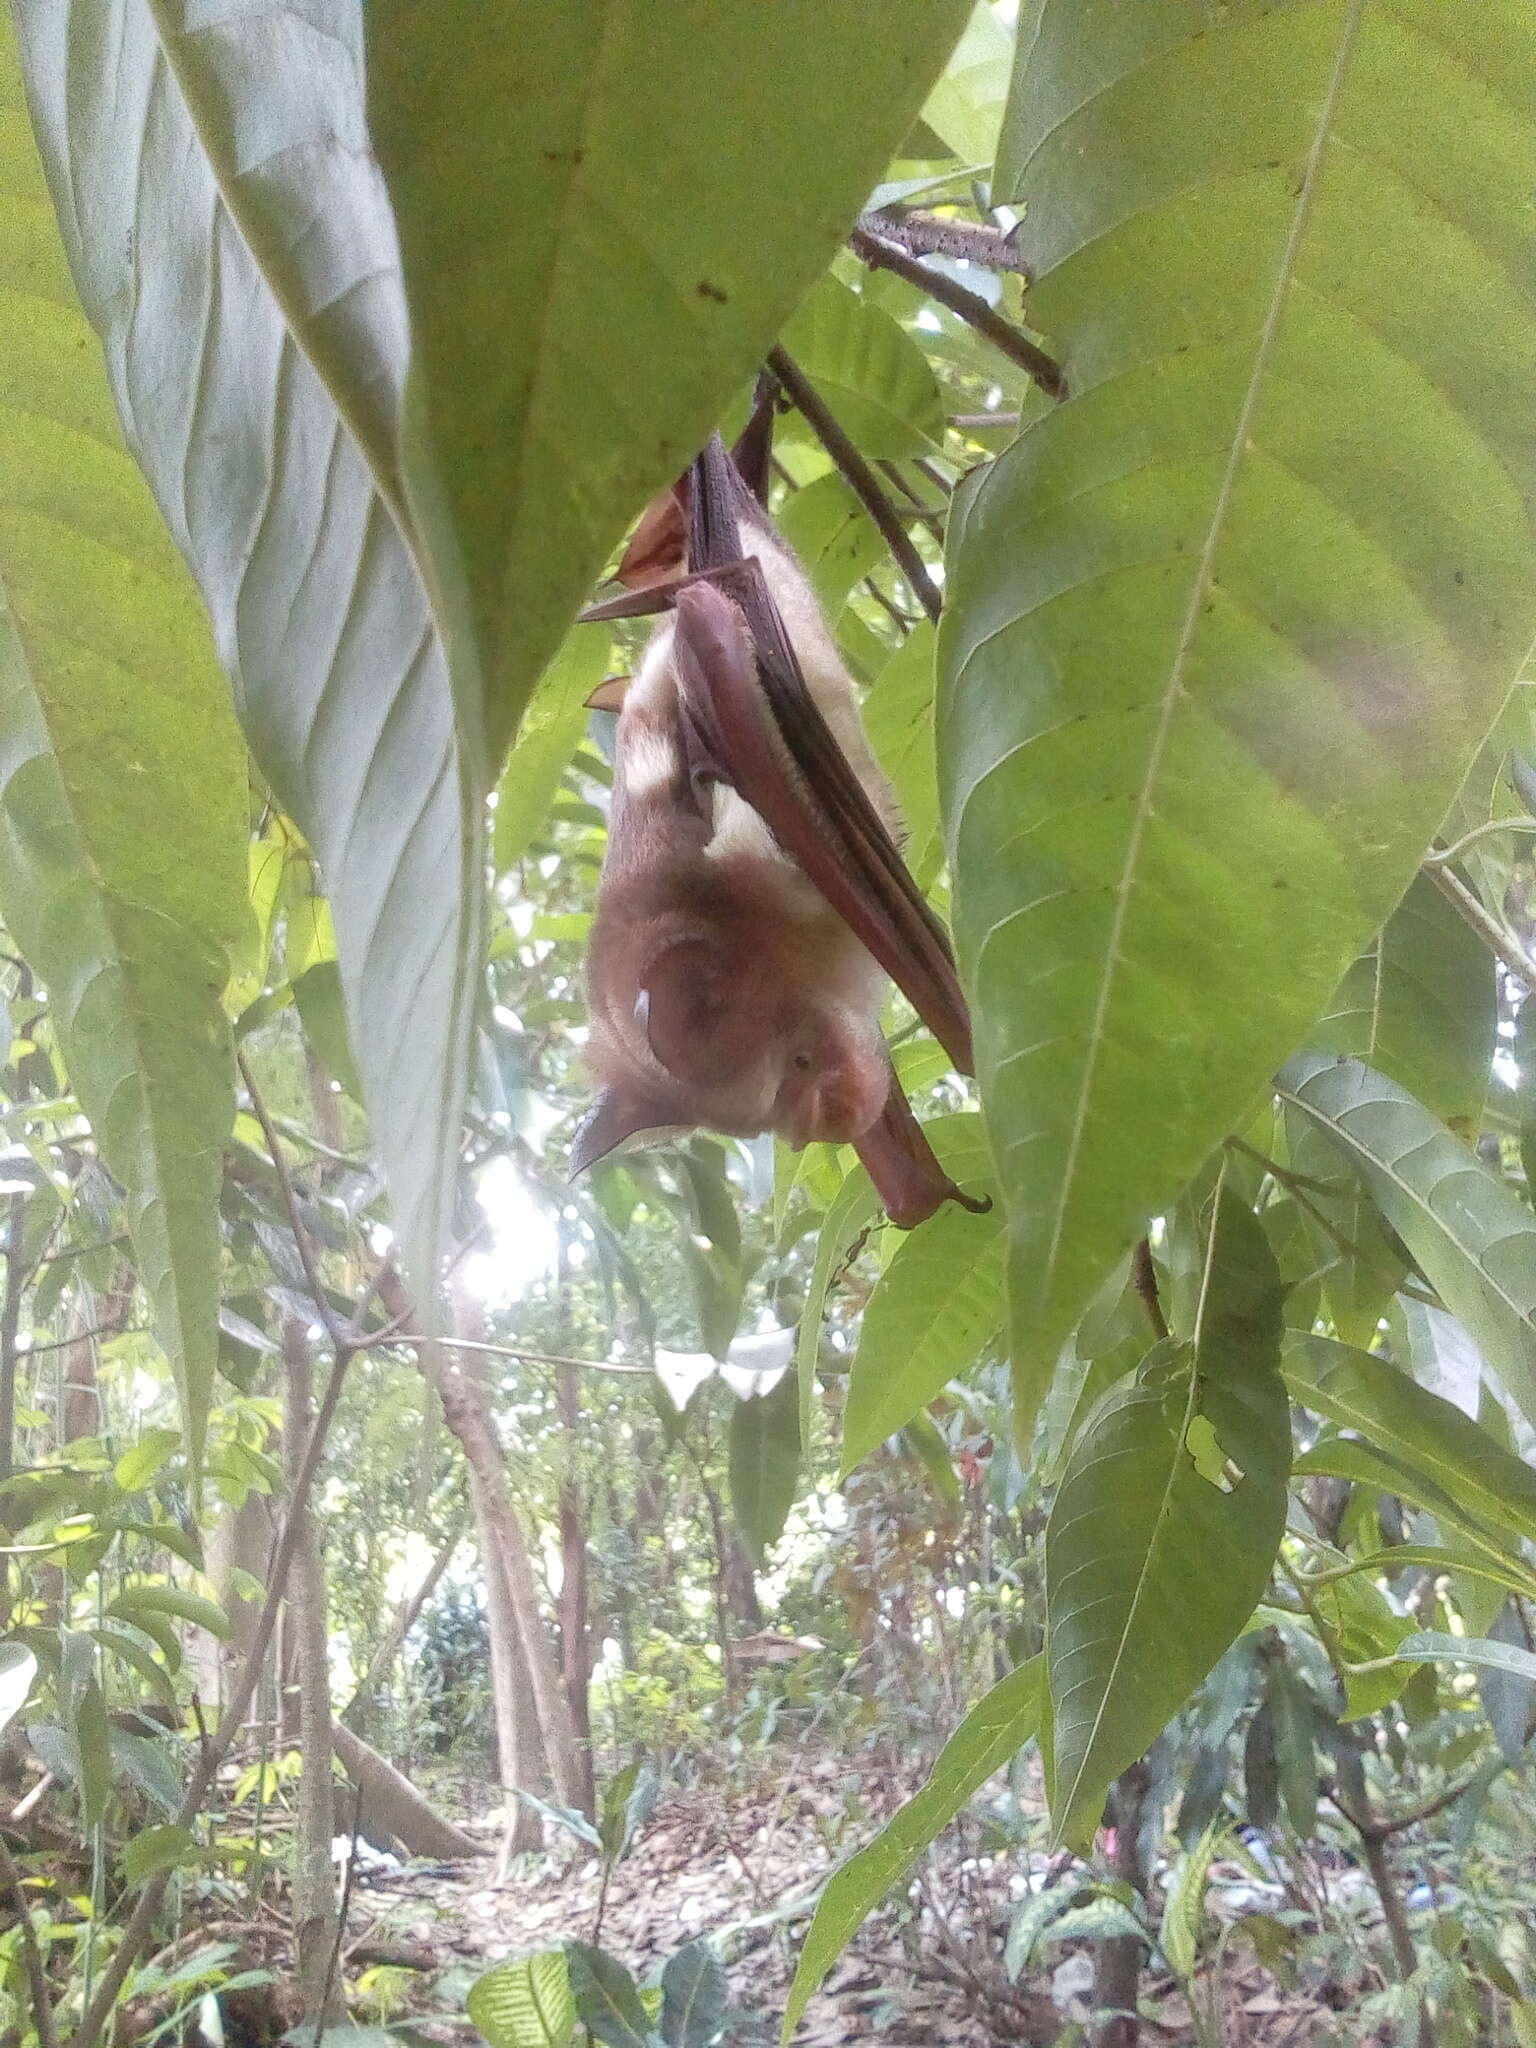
x: 882, y: 254
x: 1496, y: 936
x: 341, y: 1338
x: 934, y: 234
x: 860, y: 477
x: 80, y: 1336
x: 392, y: 1336
x: 31, y: 1954
x: 1444, y: 855
x: 979, y: 422
x: 1145, y: 1274
x: 893, y: 611
x: 932, y: 516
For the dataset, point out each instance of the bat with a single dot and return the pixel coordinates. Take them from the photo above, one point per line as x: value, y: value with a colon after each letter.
x: 753, y: 901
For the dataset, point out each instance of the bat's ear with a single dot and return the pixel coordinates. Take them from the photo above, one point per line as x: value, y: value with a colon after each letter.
x: 609, y: 694
x: 618, y: 1117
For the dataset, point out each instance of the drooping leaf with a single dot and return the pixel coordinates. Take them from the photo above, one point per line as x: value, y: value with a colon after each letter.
x: 122, y: 777
x: 139, y: 1464
x: 936, y: 1304
x: 995, y: 1729
x: 607, y: 2002
x: 547, y: 738
x: 526, y: 2003
x: 135, y: 1603
x: 1487, y: 1653
x: 1390, y: 1410
x: 765, y: 1464
x: 1420, y: 1006
x: 851, y: 1213
x: 592, y: 270
x: 835, y: 538
x: 1184, y: 1906
x: 1211, y: 671
x: 1184, y: 1464
x: 151, y: 1850
x: 693, y: 1997
x: 231, y: 241
x: 1472, y: 1236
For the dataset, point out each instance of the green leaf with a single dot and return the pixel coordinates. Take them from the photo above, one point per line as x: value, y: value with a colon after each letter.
x: 1211, y: 667
x: 1429, y: 1646
x: 606, y: 1999
x: 549, y: 735
x: 1393, y: 1413
x: 1136, y: 1617
x: 1184, y: 1906
x: 966, y: 106
x: 593, y: 271
x: 1419, y: 1006
x: 232, y: 242
x: 923, y: 1437
x: 18, y: 1668
x: 853, y: 1210
x: 995, y: 1729
x: 136, y: 1467
x: 1472, y: 1236
x: 152, y: 1850
x: 92, y: 1737
x: 135, y: 1602
x: 320, y: 1000
x: 835, y: 538
x: 525, y: 2004
x: 898, y: 716
x: 937, y: 1303
x: 875, y: 379
x: 122, y: 778
x: 765, y: 1464
x: 693, y: 1997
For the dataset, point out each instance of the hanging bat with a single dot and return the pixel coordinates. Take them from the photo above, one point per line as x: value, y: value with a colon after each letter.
x: 753, y: 901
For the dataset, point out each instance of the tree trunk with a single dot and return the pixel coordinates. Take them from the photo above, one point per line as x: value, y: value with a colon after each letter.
x: 239, y: 1541
x: 467, y: 1411
x: 315, y: 1916
x: 520, y: 1758
x: 575, y: 1586
x: 404, y: 1619
x: 392, y: 1808
x: 1117, y: 1967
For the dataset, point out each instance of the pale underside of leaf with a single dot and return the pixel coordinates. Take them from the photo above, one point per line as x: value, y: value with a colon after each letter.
x: 182, y: 256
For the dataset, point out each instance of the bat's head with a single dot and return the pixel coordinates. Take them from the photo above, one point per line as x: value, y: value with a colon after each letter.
x: 736, y: 1031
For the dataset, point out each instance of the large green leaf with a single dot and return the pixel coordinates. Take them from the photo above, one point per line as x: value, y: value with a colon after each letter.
x: 1217, y: 654
x: 898, y: 716
x: 765, y: 1463
x: 995, y: 1729
x: 546, y: 740
x: 1472, y: 1236
x: 606, y: 1999
x: 1429, y: 1646
x: 525, y: 2003
x: 1391, y: 1412
x: 123, y: 808
x: 608, y: 209
x: 231, y: 240
x: 693, y: 1997
x: 1184, y: 1465
x: 936, y: 1304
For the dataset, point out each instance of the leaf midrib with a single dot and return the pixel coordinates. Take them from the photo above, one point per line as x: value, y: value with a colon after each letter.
x: 1200, y: 586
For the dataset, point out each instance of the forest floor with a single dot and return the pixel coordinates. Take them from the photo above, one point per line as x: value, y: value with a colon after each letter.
x: 743, y: 1869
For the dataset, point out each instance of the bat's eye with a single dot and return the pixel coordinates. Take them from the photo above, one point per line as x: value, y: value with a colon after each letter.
x: 803, y: 1062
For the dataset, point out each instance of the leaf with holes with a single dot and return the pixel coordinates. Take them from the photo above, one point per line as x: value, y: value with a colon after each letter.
x: 1472, y: 1236
x: 232, y: 243
x: 1214, y: 661
x: 995, y: 1729
x: 1184, y: 1464
x: 122, y: 778
x: 593, y: 273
